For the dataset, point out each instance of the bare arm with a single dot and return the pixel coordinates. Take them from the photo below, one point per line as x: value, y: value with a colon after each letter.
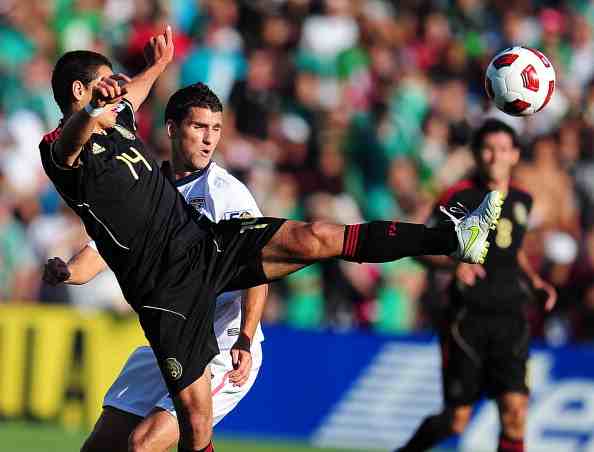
x: 80, y: 269
x: 252, y: 307
x: 158, y: 53
x: 537, y: 282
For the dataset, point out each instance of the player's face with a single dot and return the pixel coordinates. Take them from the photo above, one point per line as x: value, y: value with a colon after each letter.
x: 108, y: 118
x: 196, y: 137
x: 498, y: 156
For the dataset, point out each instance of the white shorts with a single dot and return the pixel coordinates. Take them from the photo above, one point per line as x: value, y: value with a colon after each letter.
x: 140, y: 388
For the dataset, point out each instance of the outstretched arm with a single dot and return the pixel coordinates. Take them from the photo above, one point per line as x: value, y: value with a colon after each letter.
x: 252, y: 307
x: 158, y: 53
x: 80, y: 269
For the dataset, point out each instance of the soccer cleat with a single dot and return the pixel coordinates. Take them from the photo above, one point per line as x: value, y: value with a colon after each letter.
x: 473, y: 228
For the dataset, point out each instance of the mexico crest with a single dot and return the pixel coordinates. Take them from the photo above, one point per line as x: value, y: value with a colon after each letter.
x: 173, y: 368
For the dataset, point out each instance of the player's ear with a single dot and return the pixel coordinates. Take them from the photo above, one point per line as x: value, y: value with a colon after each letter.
x: 78, y: 90
x: 171, y: 127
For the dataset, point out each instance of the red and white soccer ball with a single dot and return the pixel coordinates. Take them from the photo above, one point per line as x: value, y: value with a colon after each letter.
x: 520, y: 81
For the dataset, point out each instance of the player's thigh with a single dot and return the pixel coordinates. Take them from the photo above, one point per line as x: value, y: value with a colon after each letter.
x: 158, y: 432
x: 297, y: 244
x: 111, y: 431
x: 508, y: 357
x: 193, y: 406
x: 462, y: 362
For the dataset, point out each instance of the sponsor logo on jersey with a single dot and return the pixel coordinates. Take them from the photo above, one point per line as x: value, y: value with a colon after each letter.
x: 97, y: 149
x: 239, y: 214
x: 198, y: 203
x: 125, y: 132
x: 173, y: 368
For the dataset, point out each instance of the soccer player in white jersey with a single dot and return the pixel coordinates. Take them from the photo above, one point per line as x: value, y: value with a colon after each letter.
x: 138, y: 413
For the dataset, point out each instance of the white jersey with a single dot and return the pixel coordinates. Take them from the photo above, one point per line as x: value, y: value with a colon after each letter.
x: 220, y: 196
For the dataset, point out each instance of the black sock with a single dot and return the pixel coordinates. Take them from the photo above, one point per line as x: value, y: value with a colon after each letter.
x: 209, y: 448
x: 432, y: 431
x: 386, y: 241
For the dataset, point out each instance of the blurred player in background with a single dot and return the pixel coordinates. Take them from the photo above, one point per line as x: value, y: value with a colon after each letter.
x: 485, y: 343
x: 138, y: 413
x: 170, y: 264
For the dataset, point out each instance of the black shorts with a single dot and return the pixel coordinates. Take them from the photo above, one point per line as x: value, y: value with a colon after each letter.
x: 484, y: 354
x: 177, y: 319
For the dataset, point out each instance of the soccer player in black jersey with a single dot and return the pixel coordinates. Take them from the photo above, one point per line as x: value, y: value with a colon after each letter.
x: 170, y: 264
x: 485, y: 342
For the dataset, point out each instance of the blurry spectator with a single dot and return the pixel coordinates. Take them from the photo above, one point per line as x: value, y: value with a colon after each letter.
x: 253, y: 101
x: 219, y: 60
x: 19, y: 270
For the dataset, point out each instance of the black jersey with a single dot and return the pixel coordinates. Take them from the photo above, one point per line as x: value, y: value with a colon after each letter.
x: 129, y: 208
x: 502, y: 290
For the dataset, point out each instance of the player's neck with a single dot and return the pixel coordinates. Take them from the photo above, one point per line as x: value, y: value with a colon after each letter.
x: 499, y: 185
x: 180, y: 172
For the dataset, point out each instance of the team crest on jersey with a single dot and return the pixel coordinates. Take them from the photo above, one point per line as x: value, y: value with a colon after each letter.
x: 125, y: 132
x: 97, y: 149
x: 173, y: 368
x: 520, y: 213
x: 239, y: 214
x: 197, y: 203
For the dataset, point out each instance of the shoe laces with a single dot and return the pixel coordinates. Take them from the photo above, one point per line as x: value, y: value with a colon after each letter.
x: 459, y: 209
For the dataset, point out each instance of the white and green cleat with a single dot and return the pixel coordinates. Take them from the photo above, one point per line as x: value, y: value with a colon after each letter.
x: 473, y: 228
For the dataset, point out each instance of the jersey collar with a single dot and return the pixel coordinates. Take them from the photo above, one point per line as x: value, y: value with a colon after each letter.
x: 192, y: 177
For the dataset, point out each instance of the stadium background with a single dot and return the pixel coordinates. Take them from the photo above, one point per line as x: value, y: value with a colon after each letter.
x: 335, y: 109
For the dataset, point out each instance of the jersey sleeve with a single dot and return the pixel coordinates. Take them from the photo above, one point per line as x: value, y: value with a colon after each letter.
x: 126, y: 115
x: 67, y: 180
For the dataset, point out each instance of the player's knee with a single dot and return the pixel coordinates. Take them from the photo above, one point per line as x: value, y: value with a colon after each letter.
x: 460, y: 417
x: 137, y: 442
x: 513, y: 420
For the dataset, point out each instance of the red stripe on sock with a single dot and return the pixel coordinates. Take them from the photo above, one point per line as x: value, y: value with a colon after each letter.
x: 355, y: 240
x: 352, y: 241
x: 349, y: 240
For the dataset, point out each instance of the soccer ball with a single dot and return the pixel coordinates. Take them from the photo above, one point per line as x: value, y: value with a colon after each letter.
x: 520, y: 80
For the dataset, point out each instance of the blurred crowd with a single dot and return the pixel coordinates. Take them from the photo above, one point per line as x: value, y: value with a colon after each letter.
x: 342, y: 110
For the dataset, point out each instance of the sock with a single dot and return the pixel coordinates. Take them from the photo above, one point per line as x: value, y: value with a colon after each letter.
x: 433, y: 430
x: 386, y: 241
x: 510, y: 445
x: 209, y: 448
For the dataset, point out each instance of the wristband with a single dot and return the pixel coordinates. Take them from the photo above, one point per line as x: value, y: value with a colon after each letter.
x: 93, y: 112
x: 243, y: 342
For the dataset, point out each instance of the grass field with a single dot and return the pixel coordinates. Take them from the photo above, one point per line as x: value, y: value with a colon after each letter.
x: 31, y: 437
x: 27, y: 437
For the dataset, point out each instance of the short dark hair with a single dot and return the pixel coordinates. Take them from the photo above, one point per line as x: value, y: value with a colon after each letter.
x: 79, y: 65
x: 490, y: 126
x: 196, y: 95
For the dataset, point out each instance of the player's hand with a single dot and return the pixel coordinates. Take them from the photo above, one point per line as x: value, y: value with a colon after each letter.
x: 159, y: 50
x: 467, y: 273
x: 241, y: 358
x: 55, y: 271
x: 109, y: 91
x: 549, y: 292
